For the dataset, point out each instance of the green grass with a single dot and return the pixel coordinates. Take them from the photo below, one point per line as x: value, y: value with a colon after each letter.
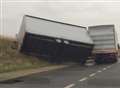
x: 12, y: 60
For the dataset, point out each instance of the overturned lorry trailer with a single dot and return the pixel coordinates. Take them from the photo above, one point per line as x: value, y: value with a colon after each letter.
x: 55, y: 41
x: 105, y: 43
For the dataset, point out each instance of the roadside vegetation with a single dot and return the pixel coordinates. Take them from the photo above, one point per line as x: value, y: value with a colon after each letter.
x: 12, y: 60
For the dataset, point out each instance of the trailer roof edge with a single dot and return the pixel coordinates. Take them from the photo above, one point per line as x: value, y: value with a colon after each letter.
x: 55, y: 21
x: 101, y: 25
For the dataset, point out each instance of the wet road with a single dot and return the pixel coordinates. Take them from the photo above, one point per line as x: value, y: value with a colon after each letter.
x: 99, y: 76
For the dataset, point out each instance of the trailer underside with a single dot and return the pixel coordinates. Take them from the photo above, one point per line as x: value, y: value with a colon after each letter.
x: 54, y: 51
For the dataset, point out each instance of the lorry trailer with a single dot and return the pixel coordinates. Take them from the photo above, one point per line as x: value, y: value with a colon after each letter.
x: 53, y: 40
x: 118, y: 50
x: 105, y: 43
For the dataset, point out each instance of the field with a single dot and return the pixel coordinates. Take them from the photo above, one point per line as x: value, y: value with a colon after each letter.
x: 12, y: 60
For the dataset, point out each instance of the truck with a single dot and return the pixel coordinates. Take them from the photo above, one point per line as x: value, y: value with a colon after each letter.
x: 118, y: 49
x: 55, y: 41
x: 105, y: 43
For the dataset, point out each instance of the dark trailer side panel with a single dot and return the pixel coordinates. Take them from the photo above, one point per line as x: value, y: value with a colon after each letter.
x: 50, y: 49
x: 56, y: 42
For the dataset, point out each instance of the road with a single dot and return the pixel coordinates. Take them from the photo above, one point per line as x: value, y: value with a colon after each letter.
x: 99, y: 76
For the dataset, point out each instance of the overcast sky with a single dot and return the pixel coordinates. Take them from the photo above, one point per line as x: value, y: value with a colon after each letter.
x: 79, y: 12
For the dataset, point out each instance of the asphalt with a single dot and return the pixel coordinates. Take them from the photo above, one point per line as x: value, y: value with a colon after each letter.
x: 76, y: 76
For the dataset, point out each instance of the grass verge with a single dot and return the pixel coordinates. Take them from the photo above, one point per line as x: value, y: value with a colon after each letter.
x: 12, y: 60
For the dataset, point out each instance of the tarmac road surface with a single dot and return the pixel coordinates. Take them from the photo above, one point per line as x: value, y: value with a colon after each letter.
x: 76, y: 76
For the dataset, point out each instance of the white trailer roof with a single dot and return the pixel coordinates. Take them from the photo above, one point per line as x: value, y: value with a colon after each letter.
x: 46, y: 27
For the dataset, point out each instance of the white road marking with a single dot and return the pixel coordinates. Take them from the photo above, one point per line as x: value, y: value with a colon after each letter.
x: 99, y: 71
x: 104, y: 68
x: 93, y: 74
x: 70, y: 86
x: 83, y: 79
